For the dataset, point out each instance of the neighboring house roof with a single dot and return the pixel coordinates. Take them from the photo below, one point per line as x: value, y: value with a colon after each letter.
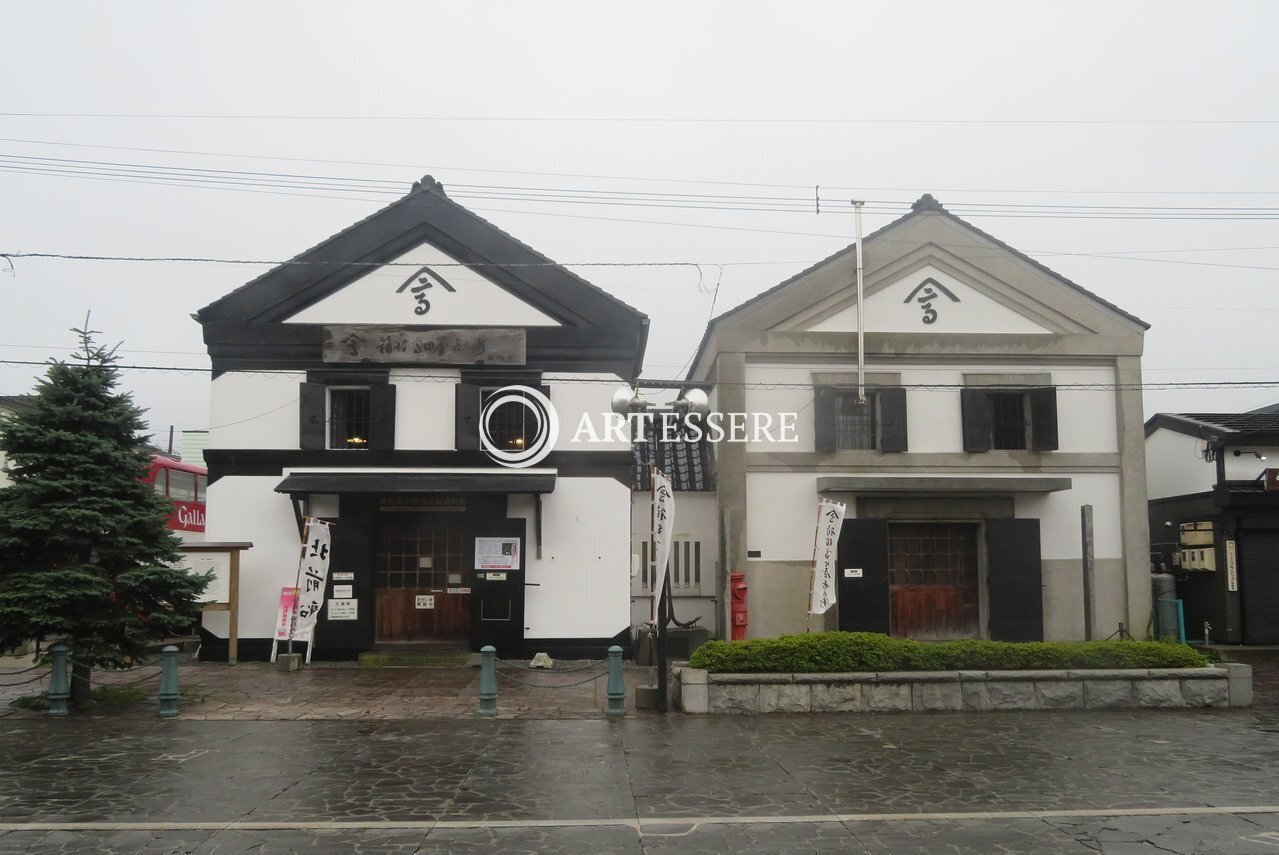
x: 1272, y: 408
x: 926, y: 204
x: 426, y: 215
x: 17, y: 403
x: 1255, y: 428
x: 688, y: 464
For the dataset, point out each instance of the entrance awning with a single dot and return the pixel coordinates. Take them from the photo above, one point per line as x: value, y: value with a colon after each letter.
x: 933, y: 485
x: 421, y: 481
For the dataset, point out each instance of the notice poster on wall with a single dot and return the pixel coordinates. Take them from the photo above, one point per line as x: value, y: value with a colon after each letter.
x: 497, y: 553
x: 284, y: 616
x: 344, y: 609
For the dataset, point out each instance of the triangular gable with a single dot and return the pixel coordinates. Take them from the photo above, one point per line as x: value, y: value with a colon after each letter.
x: 282, y: 318
x: 926, y: 241
x: 929, y: 300
x: 424, y: 286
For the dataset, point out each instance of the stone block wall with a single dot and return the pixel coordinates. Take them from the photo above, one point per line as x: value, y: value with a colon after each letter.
x: 1227, y: 685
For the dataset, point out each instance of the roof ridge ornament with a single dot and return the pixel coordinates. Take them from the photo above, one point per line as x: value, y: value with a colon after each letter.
x: 927, y: 203
x: 426, y: 184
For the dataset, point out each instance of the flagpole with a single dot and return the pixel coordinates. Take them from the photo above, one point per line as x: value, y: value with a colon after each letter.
x: 812, y: 573
x: 297, y: 584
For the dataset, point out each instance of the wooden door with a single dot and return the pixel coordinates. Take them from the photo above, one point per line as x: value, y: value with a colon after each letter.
x: 423, y: 578
x: 933, y: 581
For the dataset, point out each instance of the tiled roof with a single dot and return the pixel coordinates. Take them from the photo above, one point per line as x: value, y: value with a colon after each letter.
x: 688, y: 464
x: 1233, y: 426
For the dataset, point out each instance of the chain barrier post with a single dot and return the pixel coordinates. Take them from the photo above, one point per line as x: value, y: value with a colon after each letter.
x: 169, y: 682
x: 616, y: 685
x: 488, y: 681
x: 59, y: 681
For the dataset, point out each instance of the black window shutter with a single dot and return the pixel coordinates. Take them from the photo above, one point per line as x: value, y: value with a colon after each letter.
x: 976, y: 419
x: 824, y: 418
x: 863, y: 603
x: 892, y: 419
x: 1043, y: 419
x: 382, y: 417
x: 312, y: 401
x: 467, y: 411
x: 1014, y: 580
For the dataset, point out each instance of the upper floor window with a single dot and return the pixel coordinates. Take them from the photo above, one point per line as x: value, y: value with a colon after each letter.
x: 1009, y: 419
x: 843, y: 423
x: 510, y: 424
x: 347, y: 417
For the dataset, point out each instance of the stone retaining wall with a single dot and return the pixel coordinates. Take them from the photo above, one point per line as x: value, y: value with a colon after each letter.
x: 1226, y: 685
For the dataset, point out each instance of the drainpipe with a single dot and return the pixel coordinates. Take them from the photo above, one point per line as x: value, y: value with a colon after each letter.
x: 861, y: 328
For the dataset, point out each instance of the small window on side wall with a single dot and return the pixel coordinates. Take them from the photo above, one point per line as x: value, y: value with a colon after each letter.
x: 1009, y: 419
x: 352, y: 418
x: 845, y: 424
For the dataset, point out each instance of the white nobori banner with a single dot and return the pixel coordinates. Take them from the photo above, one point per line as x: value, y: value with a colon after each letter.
x: 830, y: 517
x: 663, y: 530
x: 313, y: 571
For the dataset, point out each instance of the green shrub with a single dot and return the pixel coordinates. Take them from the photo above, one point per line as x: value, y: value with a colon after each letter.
x: 832, y: 652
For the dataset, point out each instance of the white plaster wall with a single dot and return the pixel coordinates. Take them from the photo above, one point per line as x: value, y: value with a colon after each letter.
x: 575, y: 395
x: 583, y: 577
x: 889, y: 309
x: 1086, y: 419
x: 781, y: 514
x: 1175, y: 465
x: 425, y: 408
x: 1246, y: 466
x: 249, y: 509
x: 255, y: 410
x: 1058, y: 515
x: 373, y: 298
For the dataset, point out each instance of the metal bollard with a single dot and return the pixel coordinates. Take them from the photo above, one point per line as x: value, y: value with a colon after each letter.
x: 59, y: 681
x: 488, y: 681
x: 169, y: 682
x: 616, y: 685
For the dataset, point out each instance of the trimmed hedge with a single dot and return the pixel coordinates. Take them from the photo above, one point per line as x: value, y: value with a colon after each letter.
x: 834, y: 652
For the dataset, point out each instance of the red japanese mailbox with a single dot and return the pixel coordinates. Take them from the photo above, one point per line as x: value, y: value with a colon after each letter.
x: 737, y: 604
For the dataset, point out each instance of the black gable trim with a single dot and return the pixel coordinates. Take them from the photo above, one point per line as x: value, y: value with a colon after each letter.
x: 425, y: 215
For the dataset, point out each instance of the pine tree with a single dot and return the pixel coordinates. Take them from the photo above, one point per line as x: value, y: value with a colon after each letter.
x: 85, y: 553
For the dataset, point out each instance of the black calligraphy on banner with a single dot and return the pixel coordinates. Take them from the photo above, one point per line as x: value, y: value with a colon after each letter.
x: 830, y: 519
x: 663, y: 526
x: 312, y: 575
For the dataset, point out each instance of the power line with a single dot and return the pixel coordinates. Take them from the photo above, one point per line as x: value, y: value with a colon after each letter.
x: 757, y: 385
x: 636, y: 120
x: 698, y: 181
x: 277, y: 181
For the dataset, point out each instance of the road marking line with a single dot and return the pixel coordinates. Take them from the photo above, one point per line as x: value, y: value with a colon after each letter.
x: 633, y: 822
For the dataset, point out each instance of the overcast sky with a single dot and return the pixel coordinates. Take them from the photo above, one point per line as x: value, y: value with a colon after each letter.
x: 1157, y: 120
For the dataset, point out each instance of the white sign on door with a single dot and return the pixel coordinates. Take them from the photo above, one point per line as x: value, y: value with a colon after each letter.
x: 424, y: 601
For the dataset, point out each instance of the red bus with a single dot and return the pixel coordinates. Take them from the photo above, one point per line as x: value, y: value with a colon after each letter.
x: 185, y: 485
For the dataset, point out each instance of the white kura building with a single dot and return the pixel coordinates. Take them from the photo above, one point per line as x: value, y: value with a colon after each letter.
x: 355, y: 384
x: 1000, y: 400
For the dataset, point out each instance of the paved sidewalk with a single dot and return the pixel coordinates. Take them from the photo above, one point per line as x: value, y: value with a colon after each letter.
x: 332, y: 691
x: 345, y: 691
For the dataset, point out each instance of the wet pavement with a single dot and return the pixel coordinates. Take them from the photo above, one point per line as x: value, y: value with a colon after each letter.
x: 386, y: 775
